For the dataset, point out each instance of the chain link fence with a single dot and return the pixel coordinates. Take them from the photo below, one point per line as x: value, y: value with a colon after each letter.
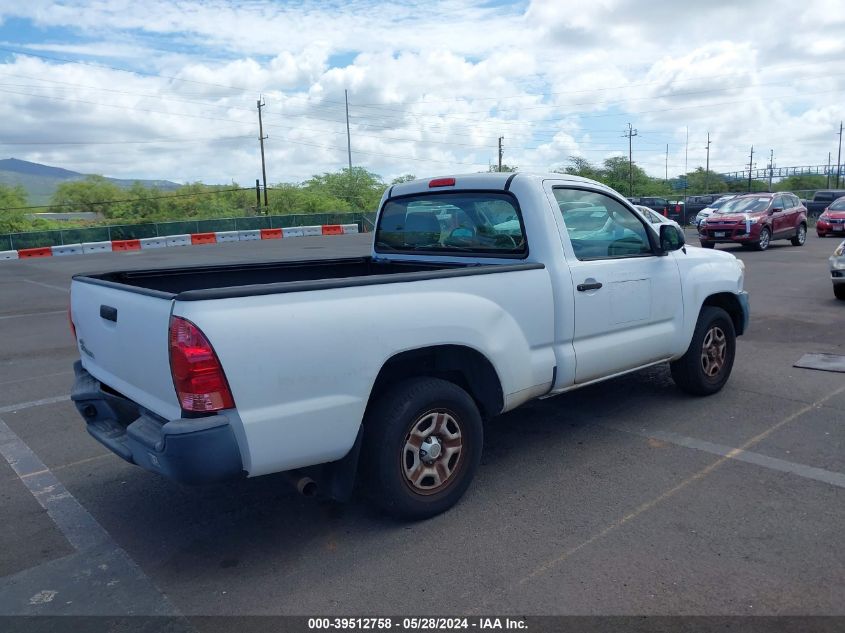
x: 37, y: 239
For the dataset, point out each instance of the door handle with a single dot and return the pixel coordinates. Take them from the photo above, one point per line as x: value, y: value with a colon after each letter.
x: 591, y: 286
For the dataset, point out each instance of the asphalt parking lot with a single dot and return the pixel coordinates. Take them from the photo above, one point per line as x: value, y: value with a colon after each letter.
x: 623, y: 498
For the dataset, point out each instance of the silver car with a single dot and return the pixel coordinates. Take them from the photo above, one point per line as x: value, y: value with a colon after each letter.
x: 708, y: 211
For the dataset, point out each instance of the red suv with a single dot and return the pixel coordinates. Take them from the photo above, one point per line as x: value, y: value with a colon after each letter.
x: 755, y: 219
x: 832, y: 220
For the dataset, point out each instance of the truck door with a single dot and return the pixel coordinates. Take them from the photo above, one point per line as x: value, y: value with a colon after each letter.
x: 628, y: 308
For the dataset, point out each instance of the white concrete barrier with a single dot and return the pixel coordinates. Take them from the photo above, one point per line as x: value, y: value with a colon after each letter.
x: 349, y: 228
x: 178, y: 240
x: 96, y: 247
x: 227, y: 236
x: 310, y: 231
x: 244, y: 236
x: 8, y: 254
x: 294, y: 231
x: 67, y: 249
x: 153, y: 242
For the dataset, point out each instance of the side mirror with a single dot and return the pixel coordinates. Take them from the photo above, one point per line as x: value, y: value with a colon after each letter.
x: 774, y: 210
x: 671, y: 238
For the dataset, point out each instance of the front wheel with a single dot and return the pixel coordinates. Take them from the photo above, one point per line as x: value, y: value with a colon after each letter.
x: 707, y: 364
x: 765, y: 238
x: 422, y: 446
x: 708, y: 245
x: 800, y: 236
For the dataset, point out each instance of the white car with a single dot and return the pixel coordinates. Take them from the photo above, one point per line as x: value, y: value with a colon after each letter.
x: 714, y: 206
x: 481, y: 292
x: 654, y: 217
x: 837, y: 271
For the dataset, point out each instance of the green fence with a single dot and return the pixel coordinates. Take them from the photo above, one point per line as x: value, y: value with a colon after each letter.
x: 34, y: 239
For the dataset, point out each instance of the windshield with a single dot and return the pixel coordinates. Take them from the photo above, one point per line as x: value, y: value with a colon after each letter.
x: 461, y: 223
x: 838, y: 205
x: 720, y: 203
x: 745, y: 205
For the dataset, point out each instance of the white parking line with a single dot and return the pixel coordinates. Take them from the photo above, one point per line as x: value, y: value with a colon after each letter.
x: 10, y: 408
x: 31, y: 314
x: 133, y: 591
x: 802, y: 470
x: 41, y: 283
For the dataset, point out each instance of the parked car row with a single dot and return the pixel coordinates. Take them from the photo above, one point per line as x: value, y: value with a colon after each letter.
x: 822, y: 200
x: 832, y: 219
x: 754, y: 220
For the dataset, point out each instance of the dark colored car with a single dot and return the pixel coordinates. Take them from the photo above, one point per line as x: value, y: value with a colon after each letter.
x: 832, y: 219
x: 661, y: 206
x: 821, y: 200
x: 755, y: 219
x: 697, y: 203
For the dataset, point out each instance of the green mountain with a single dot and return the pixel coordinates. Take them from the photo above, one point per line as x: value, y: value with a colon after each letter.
x: 40, y: 181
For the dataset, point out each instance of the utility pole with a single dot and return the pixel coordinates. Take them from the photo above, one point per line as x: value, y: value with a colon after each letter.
x: 686, y: 167
x: 501, y: 138
x: 666, y: 176
x: 631, y: 133
x: 771, y: 166
x: 839, y: 155
x: 348, y: 137
x: 261, y: 139
x: 257, y: 195
x: 828, y: 170
x: 750, y: 167
x: 707, y: 169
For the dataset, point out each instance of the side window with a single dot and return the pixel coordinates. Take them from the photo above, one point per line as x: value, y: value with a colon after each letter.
x: 779, y: 203
x: 599, y: 227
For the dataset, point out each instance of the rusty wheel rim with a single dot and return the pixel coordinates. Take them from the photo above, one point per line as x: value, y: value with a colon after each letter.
x: 432, y: 454
x: 714, y: 351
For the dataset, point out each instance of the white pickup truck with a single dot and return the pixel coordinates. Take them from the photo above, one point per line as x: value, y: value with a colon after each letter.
x: 481, y: 292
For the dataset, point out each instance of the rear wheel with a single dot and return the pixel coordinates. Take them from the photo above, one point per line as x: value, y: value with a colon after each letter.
x: 839, y: 291
x: 800, y: 236
x: 708, y: 245
x: 707, y: 364
x: 422, y: 446
x: 765, y: 239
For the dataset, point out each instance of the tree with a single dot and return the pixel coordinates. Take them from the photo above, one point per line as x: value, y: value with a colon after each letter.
x: 12, y: 217
x: 701, y: 181
x: 580, y: 166
x: 505, y: 168
x: 805, y: 182
x: 93, y: 194
x: 404, y: 178
x: 359, y: 188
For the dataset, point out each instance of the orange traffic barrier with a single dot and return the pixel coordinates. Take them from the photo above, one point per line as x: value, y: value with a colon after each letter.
x: 203, y: 238
x: 44, y: 251
x: 271, y: 234
x: 126, y: 245
x: 332, y: 229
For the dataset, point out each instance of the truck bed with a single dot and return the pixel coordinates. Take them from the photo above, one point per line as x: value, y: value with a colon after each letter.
x: 197, y: 283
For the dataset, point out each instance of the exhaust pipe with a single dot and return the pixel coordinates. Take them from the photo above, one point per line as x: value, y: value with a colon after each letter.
x: 305, y: 486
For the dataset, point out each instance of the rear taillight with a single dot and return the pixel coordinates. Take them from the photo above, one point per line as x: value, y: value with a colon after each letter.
x: 441, y: 182
x: 197, y: 374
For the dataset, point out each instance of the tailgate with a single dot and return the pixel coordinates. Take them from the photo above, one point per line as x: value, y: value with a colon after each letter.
x: 122, y: 341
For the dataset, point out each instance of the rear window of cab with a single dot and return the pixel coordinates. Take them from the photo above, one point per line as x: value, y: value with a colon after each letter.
x: 455, y: 223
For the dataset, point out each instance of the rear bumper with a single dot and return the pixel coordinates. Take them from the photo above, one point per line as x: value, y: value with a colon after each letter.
x: 192, y: 451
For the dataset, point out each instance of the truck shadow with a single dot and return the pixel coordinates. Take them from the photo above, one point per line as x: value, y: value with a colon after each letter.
x: 262, y: 524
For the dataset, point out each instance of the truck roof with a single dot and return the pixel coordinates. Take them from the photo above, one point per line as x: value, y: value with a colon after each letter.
x: 493, y: 181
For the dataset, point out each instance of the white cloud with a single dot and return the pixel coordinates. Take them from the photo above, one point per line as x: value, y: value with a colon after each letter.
x: 432, y: 85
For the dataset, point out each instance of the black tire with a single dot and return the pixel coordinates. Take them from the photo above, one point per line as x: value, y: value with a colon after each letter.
x: 800, y: 236
x: 708, y: 245
x: 400, y: 418
x: 691, y: 371
x: 765, y: 239
x: 839, y: 291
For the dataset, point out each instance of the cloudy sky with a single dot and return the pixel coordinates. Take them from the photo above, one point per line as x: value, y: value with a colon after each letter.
x: 168, y: 89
